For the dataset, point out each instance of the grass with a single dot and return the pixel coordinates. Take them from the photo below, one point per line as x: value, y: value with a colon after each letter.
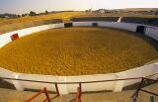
x: 62, y: 15
x: 77, y: 51
x: 7, y: 25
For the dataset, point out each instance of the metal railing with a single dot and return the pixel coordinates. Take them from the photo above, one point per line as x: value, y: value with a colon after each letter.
x: 79, y: 83
x: 136, y: 94
x: 45, y: 91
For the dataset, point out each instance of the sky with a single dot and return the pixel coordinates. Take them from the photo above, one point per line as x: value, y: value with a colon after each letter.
x: 25, y: 6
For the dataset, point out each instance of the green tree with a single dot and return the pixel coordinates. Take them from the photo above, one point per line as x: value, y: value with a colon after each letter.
x: 46, y: 12
x: 32, y: 13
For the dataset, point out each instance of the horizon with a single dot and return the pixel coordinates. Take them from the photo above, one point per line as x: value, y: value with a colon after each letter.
x: 25, y: 6
x: 75, y: 10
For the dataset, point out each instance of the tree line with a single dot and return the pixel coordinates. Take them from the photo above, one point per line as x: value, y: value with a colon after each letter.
x: 31, y: 13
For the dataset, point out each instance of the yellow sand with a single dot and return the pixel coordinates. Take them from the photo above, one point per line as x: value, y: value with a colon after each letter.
x: 77, y: 51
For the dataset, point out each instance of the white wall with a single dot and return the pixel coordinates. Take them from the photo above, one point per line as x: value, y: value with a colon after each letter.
x: 91, y: 86
x: 69, y: 88
x: 152, y: 32
x: 5, y: 38
x: 64, y: 89
x: 138, y: 72
x: 83, y: 24
x: 118, y: 25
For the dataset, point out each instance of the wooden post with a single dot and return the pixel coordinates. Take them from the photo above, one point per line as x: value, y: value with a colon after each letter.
x: 80, y: 86
x: 34, y: 96
x: 47, y: 95
x: 78, y: 95
x: 135, y: 95
x: 80, y: 92
x: 57, y: 90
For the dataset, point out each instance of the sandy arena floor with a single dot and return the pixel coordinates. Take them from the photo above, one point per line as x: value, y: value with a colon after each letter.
x: 78, y: 51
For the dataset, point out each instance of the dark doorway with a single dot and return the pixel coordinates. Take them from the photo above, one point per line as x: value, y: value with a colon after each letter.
x: 95, y: 24
x: 140, y: 29
x: 66, y: 25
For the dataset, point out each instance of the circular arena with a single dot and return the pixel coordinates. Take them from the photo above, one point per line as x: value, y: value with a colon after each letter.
x: 78, y: 51
x: 91, y: 54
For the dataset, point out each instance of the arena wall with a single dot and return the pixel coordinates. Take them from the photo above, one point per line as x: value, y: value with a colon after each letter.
x: 152, y: 32
x: 69, y: 88
x: 6, y: 38
x: 117, y: 25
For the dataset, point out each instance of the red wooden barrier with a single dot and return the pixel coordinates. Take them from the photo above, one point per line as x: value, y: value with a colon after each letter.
x: 15, y: 36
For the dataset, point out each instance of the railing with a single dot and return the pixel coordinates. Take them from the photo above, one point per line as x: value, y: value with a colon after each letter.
x: 79, y: 83
x: 78, y: 94
x: 136, y: 94
x: 44, y: 90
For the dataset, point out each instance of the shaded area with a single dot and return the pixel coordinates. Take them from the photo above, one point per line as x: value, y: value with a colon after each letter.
x: 141, y: 20
x: 110, y: 19
x: 5, y: 84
